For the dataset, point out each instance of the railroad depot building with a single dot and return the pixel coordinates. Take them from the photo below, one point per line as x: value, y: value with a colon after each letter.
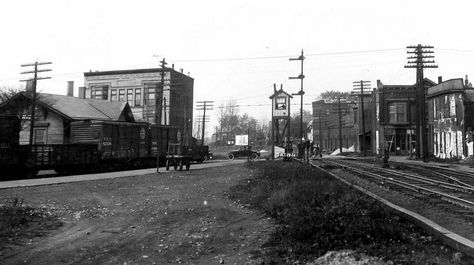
x: 55, y: 113
x: 141, y: 88
x: 451, y: 118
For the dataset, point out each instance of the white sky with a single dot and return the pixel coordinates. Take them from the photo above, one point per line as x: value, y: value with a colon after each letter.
x: 103, y: 35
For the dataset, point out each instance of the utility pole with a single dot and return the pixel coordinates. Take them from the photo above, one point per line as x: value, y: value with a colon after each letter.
x: 340, y: 124
x: 158, y: 110
x: 204, y: 105
x: 34, y: 81
x: 301, y: 92
x: 361, y: 85
x: 418, y: 61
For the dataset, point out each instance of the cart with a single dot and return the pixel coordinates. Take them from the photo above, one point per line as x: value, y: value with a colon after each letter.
x: 178, y: 156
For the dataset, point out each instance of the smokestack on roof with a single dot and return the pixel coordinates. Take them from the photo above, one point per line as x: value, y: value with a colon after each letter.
x: 440, y: 79
x: 70, y: 88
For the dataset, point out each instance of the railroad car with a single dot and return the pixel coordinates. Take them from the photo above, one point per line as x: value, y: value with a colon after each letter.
x: 94, y: 146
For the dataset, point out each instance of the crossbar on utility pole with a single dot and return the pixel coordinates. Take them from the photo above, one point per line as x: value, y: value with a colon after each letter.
x: 34, y: 83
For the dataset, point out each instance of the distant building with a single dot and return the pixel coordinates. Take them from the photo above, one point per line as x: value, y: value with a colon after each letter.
x: 326, y: 125
x: 140, y: 88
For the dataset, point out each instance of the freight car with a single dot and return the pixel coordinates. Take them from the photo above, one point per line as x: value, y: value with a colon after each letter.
x: 95, y: 146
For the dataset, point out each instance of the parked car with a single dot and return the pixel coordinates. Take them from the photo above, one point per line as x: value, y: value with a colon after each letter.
x: 243, y: 151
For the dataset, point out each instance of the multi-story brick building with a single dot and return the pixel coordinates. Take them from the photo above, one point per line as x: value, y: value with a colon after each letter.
x: 140, y: 88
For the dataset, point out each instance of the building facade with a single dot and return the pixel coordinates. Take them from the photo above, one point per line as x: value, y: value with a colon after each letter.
x: 143, y: 90
x: 450, y: 118
x: 396, y: 118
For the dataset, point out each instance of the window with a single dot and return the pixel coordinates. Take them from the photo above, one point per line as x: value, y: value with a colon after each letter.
x: 130, y: 97
x: 138, y: 96
x: 397, y: 112
x: 149, y: 94
x: 121, y: 94
x: 40, y: 135
x: 280, y: 103
x: 113, y: 94
x: 452, y: 106
x: 100, y: 92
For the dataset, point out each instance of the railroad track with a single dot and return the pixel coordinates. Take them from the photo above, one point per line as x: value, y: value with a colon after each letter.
x: 436, y: 186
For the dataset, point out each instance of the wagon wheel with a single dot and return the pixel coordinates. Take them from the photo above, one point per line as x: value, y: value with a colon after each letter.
x: 180, y: 165
x: 167, y: 164
x: 188, y: 165
x: 231, y: 156
x: 253, y: 156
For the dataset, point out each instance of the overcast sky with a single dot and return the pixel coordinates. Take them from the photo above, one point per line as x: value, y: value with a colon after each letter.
x: 237, y: 49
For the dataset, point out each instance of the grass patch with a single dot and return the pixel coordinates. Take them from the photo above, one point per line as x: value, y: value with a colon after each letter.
x: 19, y: 221
x: 315, y: 213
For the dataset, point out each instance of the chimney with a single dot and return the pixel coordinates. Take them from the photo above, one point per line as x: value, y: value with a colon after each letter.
x: 29, y: 86
x: 181, y: 70
x: 172, y: 66
x: 440, y: 79
x: 82, y: 92
x: 466, y: 81
x: 70, y: 88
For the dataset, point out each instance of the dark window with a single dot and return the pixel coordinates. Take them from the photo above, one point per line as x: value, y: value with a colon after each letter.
x: 397, y: 112
x: 149, y: 94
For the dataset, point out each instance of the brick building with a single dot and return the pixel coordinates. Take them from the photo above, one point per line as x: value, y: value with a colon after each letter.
x: 395, y: 119
x: 140, y: 88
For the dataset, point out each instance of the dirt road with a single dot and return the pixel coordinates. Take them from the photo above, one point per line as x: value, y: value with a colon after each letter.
x: 174, y: 218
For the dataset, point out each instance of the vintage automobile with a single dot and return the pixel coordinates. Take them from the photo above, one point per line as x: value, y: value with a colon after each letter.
x: 243, y: 151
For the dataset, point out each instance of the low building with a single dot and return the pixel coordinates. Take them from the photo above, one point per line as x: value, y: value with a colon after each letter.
x: 54, y: 114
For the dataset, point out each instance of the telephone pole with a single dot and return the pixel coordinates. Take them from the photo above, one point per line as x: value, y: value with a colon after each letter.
x: 420, y: 61
x: 204, y: 105
x: 361, y: 85
x: 340, y: 123
x: 34, y: 83
x: 301, y: 92
x: 158, y: 110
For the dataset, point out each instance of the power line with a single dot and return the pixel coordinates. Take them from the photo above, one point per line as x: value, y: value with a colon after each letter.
x: 284, y: 56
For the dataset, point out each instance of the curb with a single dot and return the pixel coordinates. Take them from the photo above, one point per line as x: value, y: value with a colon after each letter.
x: 451, y: 239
